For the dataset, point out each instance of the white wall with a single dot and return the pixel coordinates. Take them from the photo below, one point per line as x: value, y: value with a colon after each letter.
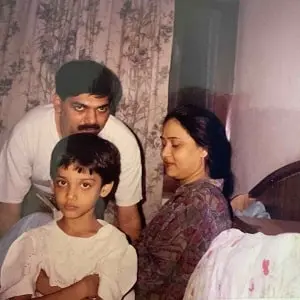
x: 265, y: 116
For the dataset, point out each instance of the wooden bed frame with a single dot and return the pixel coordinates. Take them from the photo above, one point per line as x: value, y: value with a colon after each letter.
x: 280, y: 192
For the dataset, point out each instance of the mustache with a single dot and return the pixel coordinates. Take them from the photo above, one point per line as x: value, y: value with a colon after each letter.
x: 89, y: 127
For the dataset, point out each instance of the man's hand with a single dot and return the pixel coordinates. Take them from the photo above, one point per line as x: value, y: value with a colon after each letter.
x: 43, y: 284
x: 9, y: 215
x: 129, y: 221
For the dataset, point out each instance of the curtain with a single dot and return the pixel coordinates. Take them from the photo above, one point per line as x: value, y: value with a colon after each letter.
x: 132, y: 37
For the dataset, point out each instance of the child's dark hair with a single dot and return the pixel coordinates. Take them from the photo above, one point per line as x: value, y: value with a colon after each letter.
x: 87, y: 151
x: 208, y: 132
x: 88, y: 77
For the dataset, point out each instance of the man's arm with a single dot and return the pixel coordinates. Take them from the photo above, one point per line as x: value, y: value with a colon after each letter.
x: 129, y: 192
x: 9, y: 215
x: 15, y: 174
x: 129, y: 221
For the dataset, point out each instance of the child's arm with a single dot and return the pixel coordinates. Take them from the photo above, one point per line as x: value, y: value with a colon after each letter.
x: 24, y: 297
x: 43, y: 284
x: 118, y: 272
x: 85, y: 288
x: 18, y: 275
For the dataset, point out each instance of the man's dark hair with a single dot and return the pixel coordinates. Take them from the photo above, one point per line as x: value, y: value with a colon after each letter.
x: 87, y: 76
x: 87, y: 151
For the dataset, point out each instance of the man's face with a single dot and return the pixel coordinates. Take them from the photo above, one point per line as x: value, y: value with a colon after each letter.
x: 82, y: 113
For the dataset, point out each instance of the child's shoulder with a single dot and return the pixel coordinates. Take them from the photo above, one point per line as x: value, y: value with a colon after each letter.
x: 109, y: 228
x: 43, y: 230
x: 111, y: 232
x: 34, y: 238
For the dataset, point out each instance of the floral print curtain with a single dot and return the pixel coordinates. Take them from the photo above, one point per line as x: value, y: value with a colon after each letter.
x: 132, y: 37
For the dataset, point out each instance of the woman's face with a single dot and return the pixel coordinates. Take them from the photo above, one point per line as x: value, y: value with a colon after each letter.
x: 183, y: 159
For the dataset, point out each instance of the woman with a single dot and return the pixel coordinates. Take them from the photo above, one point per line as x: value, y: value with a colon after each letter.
x: 196, y: 152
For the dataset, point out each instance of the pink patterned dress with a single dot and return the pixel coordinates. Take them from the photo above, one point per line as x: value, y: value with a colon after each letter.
x: 248, y: 266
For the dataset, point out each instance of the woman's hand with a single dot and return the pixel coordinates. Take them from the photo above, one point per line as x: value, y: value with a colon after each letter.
x: 43, y: 284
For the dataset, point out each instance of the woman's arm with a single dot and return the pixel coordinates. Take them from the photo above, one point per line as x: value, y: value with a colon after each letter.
x: 158, y: 255
x: 208, y: 225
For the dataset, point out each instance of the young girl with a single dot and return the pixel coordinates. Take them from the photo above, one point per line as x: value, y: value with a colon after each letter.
x: 78, y: 256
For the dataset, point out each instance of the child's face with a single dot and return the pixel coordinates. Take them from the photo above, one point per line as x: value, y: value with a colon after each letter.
x: 76, y: 193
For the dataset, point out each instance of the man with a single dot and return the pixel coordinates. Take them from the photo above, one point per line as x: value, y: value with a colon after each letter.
x: 85, y: 93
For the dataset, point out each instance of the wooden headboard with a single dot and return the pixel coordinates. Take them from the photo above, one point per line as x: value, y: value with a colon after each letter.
x: 280, y: 192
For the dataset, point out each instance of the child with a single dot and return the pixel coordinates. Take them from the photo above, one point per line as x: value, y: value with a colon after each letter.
x: 78, y: 256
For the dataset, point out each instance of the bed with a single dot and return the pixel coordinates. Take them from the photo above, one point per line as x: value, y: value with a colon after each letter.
x: 280, y: 193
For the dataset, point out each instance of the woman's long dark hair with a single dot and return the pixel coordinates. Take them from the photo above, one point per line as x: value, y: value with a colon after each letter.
x: 208, y: 132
